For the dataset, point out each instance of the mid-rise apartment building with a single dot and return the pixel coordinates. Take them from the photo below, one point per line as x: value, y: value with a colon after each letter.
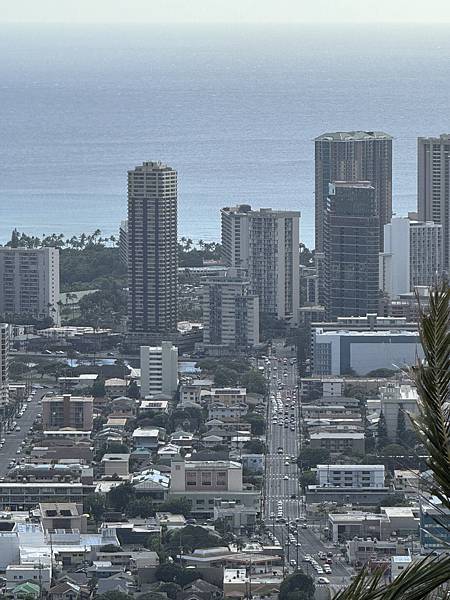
x: 152, y: 250
x: 230, y: 314
x: 205, y: 482
x: 61, y: 412
x: 353, y: 156
x: 159, y: 369
x: 29, y: 282
x: 350, y: 476
x: 265, y: 244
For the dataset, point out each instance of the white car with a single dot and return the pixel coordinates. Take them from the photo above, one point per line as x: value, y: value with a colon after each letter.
x: 323, y: 580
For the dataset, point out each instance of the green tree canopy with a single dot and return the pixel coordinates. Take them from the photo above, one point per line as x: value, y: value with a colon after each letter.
x: 311, y: 457
x: 297, y: 586
x: 255, y: 447
x: 254, y: 382
x: 257, y: 423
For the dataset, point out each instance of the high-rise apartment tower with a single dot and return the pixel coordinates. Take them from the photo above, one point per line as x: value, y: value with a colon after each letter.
x: 265, y: 244
x: 433, y: 186
x: 152, y: 250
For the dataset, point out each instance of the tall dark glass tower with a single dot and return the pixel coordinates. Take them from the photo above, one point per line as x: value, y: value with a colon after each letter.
x: 351, y: 249
x: 353, y: 156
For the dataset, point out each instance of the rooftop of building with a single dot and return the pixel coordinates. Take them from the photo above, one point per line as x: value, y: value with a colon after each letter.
x: 353, y: 136
x: 352, y: 467
x: 60, y: 509
x: 351, y: 435
x: 367, y: 333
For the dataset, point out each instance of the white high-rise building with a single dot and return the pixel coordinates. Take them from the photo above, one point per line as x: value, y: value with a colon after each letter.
x: 265, y: 243
x: 412, y: 255
x: 29, y: 282
x: 159, y: 369
x: 230, y: 314
x: 4, y: 363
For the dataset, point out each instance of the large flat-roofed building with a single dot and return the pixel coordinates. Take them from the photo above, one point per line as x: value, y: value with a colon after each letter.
x: 265, y: 244
x: 29, y: 282
x: 433, y: 185
x: 342, y: 352
x: 152, y: 250
x: 341, y: 442
x: 353, y: 156
x: 25, y: 496
x: 350, y: 476
x: 74, y: 412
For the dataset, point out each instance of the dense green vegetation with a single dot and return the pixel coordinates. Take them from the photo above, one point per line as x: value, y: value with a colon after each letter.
x: 230, y: 372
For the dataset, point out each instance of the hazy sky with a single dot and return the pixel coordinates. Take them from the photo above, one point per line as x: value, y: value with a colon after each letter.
x: 224, y: 11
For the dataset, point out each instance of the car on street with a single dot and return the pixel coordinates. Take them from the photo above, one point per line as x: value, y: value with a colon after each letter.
x: 323, y: 580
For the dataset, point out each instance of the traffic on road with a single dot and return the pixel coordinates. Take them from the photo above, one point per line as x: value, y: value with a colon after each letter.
x: 284, y: 505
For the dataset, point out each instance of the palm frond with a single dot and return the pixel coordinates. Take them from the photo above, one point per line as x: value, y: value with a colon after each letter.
x: 416, y: 582
x: 432, y: 379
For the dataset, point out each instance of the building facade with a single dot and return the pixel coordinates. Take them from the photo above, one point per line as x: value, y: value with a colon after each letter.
x: 152, y: 250
x: 74, y: 412
x: 433, y: 186
x: 230, y: 314
x: 353, y: 156
x: 412, y: 256
x: 159, y: 369
x: 350, y: 476
x: 351, y: 249
x: 4, y: 363
x: 265, y: 244
x: 342, y: 352
x: 396, y: 398
x: 29, y: 282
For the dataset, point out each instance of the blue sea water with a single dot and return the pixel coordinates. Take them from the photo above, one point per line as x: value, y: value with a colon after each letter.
x: 233, y: 109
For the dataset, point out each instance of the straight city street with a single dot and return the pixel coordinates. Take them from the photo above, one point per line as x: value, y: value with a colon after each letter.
x: 284, y: 509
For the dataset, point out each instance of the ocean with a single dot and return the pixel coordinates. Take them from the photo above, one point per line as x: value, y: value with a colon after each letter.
x: 233, y: 109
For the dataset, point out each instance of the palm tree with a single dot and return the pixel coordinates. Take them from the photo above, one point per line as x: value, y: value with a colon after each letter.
x: 432, y: 378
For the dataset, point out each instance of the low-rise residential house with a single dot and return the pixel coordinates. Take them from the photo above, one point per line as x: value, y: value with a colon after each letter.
x: 184, y: 439
x: 37, y: 573
x: 65, y: 590
x: 116, y: 423
x: 231, y: 412
x: 170, y: 520
x: 148, y: 437
x: 200, y: 590
x: 116, y: 464
x: 150, y: 407
x: 62, y: 515
x: 123, y: 406
x: 116, y: 387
